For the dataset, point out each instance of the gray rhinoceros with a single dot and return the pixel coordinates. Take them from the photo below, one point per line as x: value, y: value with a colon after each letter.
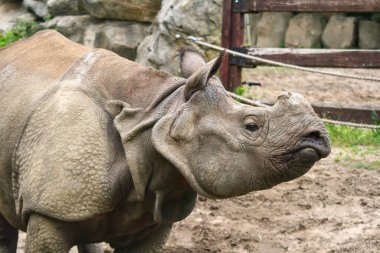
x: 98, y: 148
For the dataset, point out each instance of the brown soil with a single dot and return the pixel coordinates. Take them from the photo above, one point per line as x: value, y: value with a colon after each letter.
x: 316, y: 88
x: 330, y: 209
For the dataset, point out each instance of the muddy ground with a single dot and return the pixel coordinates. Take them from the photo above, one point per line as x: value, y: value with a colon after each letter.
x: 330, y: 209
x: 316, y: 88
x: 333, y: 208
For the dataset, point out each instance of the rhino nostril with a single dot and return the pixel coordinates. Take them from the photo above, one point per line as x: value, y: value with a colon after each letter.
x: 313, y: 136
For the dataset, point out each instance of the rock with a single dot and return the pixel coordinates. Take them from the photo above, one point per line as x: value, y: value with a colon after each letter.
x: 38, y: 7
x: 138, y: 10
x: 122, y: 37
x: 369, y: 35
x: 251, y: 20
x: 305, y: 31
x: 10, y: 13
x: 375, y: 17
x: 339, y: 32
x: 186, y: 17
x: 63, y: 7
x: 73, y: 27
x: 271, y: 29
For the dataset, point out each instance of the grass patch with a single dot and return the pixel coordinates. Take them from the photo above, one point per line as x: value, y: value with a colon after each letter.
x: 359, y: 157
x: 358, y: 148
x: 349, y: 136
x: 23, y: 29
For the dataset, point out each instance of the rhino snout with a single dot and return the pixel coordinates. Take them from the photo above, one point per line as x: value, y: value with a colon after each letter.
x: 318, y: 141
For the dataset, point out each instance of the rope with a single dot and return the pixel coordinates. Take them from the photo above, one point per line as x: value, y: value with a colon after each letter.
x: 280, y: 64
x: 356, y: 125
x: 329, y: 121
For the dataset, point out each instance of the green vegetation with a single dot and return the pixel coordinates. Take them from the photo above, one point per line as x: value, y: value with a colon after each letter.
x: 349, y: 136
x: 23, y: 29
x: 357, y: 148
x: 359, y: 157
x: 240, y: 90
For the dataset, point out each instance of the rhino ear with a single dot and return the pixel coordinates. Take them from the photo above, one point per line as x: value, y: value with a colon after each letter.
x: 199, y: 79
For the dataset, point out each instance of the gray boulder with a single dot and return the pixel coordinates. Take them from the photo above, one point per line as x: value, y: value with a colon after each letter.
x: 251, y: 20
x: 271, y: 29
x: 122, y: 37
x: 73, y: 27
x: 10, y: 13
x: 138, y: 10
x: 339, y: 32
x: 38, y: 7
x: 305, y: 31
x: 375, y: 17
x: 190, y: 17
x: 369, y: 35
x: 64, y: 7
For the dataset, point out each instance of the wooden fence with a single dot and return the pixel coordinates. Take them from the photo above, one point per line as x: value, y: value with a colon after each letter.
x: 233, y: 35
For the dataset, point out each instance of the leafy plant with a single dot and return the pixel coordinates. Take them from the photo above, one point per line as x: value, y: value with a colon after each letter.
x: 23, y: 29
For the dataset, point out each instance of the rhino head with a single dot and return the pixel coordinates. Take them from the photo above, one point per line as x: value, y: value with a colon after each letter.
x: 224, y: 148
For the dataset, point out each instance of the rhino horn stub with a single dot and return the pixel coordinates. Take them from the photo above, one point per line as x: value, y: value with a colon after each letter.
x: 199, y: 79
x: 293, y: 99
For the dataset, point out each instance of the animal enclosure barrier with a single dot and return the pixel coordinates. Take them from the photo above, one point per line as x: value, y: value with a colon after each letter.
x: 233, y: 33
x: 233, y: 36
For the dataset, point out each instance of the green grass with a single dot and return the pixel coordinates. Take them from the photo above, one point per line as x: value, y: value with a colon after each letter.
x: 359, y: 157
x: 349, y: 136
x: 23, y: 29
x: 358, y: 148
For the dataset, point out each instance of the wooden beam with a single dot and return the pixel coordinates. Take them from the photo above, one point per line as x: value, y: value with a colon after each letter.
x: 307, y: 5
x: 226, y: 41
x: 348, y: 114
x: 232, y: 36
x: 310, y: 57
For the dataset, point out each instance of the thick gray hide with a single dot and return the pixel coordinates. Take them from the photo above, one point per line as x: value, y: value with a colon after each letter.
x: 97, y: 148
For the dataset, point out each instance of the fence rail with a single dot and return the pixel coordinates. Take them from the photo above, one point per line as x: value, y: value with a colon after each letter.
x: 310, y: 57
x: 244, y: 6
x: 233, y: 33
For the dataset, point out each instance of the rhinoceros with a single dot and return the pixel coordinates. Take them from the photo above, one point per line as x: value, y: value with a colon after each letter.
x: 96, y: 148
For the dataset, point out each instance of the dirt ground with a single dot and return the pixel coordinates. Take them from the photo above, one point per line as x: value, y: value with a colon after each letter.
x: 330, y: 209
x: 316, y: 88
x: 333, y: 208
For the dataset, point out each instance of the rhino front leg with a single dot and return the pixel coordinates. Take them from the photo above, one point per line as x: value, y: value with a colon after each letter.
x: 8, y: 237
x: 91, y: 248
x: 46, y: 235
x: 154, y: 243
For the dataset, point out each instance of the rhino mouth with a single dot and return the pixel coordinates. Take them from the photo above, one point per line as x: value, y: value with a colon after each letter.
x: 314, y: 146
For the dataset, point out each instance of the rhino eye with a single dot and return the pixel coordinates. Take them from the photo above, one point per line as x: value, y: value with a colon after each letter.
x: 251, y: 127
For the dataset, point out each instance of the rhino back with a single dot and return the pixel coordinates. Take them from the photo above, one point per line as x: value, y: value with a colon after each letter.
x: 28, y: 69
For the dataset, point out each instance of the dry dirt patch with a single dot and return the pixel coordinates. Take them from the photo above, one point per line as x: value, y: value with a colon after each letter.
x: 330, y: 209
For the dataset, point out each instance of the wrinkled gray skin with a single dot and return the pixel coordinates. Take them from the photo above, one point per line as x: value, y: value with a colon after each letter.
x: 97, y: 148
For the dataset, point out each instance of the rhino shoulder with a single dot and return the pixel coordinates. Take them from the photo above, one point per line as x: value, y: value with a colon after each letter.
x: 64, y: 160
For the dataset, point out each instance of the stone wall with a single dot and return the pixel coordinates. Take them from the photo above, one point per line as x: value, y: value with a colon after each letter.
x: 145, y: 30
x: 313, y: 30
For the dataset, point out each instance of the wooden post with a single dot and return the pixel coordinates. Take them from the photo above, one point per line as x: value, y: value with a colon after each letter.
x: 232, y: 36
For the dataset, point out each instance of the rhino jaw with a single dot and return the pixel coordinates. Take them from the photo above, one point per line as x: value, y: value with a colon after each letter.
x: 165, y: 145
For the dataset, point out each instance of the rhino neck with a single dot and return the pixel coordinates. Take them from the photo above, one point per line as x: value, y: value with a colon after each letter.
x: 135, y: 127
